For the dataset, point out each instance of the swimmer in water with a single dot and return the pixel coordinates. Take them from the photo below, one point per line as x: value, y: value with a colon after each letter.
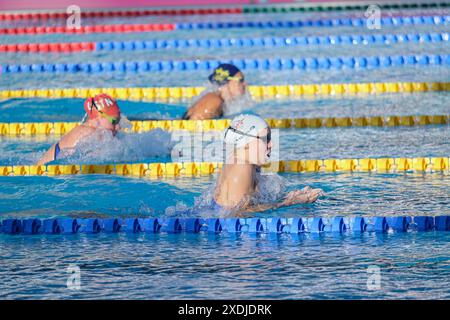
x: 231, y: 84
x: 250, y: 138
x: 102, y: 112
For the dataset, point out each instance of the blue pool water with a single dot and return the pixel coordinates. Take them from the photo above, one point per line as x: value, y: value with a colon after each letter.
x: 412, y: 265
x: 356, y: 193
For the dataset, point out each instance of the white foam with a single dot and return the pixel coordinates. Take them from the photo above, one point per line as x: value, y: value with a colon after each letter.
x: 102, y: 146
x: 238, y: 105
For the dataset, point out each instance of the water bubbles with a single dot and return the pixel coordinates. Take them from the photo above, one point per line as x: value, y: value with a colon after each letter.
x: 238, y: 105
x: 270, y: 188
x: 181, y: 209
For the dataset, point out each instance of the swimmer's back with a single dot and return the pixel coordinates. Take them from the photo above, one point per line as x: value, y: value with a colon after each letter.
x: 208, y: 107
x: 70, y: 139
x: 235, y: 182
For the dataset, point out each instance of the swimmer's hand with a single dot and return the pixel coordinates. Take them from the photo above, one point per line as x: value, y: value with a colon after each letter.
x: 306, y: 195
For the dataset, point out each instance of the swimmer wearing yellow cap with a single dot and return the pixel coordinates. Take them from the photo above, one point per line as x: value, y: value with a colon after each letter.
x: 231, y: 84
x: 102, y: 112
x: 250, y: 138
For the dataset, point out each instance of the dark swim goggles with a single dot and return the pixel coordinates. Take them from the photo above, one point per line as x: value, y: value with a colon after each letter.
x: 266, y: 139
x: 112, y: 120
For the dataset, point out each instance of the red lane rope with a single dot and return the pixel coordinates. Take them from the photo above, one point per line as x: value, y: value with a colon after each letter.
x: 110, y: 14
x: 48, y: 47
x: 113, y: 28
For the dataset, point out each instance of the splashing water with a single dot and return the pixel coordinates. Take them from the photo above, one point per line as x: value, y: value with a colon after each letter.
x: 102, y: 146
x: 181, y: 209
x: 271, y: 188
x: 238, y: 105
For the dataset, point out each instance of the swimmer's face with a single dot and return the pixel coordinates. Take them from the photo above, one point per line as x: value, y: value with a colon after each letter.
x: 107, y: 123
x: 260, y: 149
x: 237, y: 86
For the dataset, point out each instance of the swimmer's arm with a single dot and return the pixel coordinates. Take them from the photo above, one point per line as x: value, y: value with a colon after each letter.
x: 48, y: 156
x: 294, y: 197
x: 69, y: 140
x: 265, y: 207
x: 246, y: 207
x: 257, y: 208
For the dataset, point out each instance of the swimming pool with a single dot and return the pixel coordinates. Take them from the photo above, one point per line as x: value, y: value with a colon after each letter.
x: 413, y: 265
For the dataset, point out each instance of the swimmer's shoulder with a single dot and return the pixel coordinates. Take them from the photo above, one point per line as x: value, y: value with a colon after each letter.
x: 213, y: 98
x: 207, y: 107
x: 82, y: 130
x: 75, y: 135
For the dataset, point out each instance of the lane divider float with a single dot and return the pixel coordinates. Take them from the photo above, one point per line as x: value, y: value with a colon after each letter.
x: 120, y: 13
x: 437, y: 20
x: 274, y: 225
x: 257, y: 92
x: 60, y: 128
x: 267, y: 42
x: 112, y: 28
x: 310, y: 63
x: 218, y: 10
x: 191, y: 169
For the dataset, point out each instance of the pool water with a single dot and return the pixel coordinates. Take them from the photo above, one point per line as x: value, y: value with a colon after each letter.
x: 347, y: 193
x: 413, y: 265
x: 165, y: 266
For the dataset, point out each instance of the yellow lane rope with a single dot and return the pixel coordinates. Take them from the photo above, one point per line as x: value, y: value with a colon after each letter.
x: 164, y: 94
x: 59, y: 128
x: 189, y: 169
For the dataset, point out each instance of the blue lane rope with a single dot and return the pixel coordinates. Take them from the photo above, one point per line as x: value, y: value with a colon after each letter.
x: 338, y: 22
x: 312, y: 63
x: 365, y: 39
x: 339, y: 224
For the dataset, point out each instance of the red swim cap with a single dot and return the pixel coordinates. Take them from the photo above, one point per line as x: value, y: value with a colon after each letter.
x: 101, y: 103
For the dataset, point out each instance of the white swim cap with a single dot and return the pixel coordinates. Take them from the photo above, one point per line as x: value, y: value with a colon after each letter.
x: 248, y: 124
